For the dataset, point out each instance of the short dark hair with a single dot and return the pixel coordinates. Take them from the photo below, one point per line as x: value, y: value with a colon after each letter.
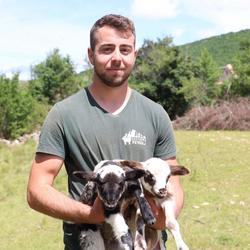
x: 118, y: 22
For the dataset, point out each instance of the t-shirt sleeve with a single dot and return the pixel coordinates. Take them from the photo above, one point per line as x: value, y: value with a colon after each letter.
x: 165, y: 145
x: 51, y: 140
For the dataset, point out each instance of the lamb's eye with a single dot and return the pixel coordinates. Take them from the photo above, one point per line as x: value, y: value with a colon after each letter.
x: 121, y: 182
x: 100, y: 181
x: 150, y: 179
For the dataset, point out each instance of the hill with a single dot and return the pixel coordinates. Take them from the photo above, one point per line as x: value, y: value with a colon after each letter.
x: 223, y: 47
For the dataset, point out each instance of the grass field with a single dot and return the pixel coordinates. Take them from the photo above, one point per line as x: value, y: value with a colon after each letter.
x: 216, y: 215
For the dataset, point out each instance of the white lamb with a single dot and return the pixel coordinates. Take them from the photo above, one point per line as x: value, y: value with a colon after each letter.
x: 155, y: 181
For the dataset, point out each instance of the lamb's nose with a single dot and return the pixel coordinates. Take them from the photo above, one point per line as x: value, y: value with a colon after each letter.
x: 162, y: 190
x: 111, y: 201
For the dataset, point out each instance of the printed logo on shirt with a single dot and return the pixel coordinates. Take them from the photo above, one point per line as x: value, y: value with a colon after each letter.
x: 133, y: 137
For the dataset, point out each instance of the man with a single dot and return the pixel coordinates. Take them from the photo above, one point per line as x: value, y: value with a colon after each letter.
x: 106, y: 120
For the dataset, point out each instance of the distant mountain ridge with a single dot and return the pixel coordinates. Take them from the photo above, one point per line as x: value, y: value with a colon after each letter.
x: 223, y: 47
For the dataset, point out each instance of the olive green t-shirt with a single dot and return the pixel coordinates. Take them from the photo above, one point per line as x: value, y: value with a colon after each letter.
x: 78, y: 130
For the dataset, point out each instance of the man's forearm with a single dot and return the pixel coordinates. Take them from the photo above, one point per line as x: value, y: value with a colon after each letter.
x: 176, y: 189
x: 48, y: 200
x: 178, y: 194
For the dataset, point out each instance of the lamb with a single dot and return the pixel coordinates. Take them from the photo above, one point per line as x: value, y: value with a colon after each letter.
x: 155, y: 181
x: 113, y: 182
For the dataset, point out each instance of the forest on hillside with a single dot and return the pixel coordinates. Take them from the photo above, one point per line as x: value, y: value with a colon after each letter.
x: 163, y: 72
x: 222, y: 48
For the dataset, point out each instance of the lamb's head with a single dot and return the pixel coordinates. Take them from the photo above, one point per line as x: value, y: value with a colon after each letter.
x: 111, y: 181
x: 157, y: 175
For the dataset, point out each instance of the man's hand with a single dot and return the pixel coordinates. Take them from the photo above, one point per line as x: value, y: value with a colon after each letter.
x: 96, y: 213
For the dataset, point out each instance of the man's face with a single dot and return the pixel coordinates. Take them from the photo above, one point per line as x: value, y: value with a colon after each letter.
x: 113, y: 57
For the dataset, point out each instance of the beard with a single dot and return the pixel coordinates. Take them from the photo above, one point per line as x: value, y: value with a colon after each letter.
x: 113, y: 80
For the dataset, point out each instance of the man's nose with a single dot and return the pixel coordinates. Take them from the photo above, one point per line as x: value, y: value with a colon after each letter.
x: 116, y: 55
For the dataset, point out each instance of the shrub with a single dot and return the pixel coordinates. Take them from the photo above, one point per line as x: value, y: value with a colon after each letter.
x: 225, y: 115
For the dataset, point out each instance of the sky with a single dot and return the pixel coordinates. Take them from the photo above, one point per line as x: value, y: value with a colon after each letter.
x: 31, y: 29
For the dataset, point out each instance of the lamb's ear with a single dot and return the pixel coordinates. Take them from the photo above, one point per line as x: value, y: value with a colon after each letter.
x: 89, y: 176
x: 179, y: 170
x: 131, y: 164
x: 134, y: 174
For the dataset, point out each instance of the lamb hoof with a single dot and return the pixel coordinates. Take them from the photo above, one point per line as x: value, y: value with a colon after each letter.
x: 149, y: 219
x: 140, y: 245
x: 183, y: 247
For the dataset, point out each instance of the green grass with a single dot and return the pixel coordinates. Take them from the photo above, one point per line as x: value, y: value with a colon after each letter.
x: 23, y: 228
x: 216, y: 214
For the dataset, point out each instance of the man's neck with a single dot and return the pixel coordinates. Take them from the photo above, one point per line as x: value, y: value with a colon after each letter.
x: 111, y: 99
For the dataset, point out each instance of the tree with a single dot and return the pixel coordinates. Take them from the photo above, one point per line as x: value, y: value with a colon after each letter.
x: 241, y: 82
x: 16, y: 108
x: 54, y: 79
x: 203, y: 88
x: 159, y: 71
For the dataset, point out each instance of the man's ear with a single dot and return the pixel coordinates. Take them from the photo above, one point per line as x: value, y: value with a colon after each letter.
x: 89, y: 176
x: 134, y: 174
x: 91, y: 56
x: 136, y: 53
x: 179, y: 170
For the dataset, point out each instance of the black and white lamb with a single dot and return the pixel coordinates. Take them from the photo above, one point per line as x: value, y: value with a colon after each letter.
x: 116, y: 185
x: 155, y: 181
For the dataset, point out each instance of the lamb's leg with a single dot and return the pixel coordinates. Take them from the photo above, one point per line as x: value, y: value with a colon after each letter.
x: 121, y: 231
x: 147, y: 237
x: 89, y: 193
x: 90, y: 237
x: 146, y: 212
x: 173, y: 226
x: 91, y: 240
x: 140, y: 239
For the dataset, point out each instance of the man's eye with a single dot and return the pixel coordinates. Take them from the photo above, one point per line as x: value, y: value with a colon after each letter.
x: 125, y: 51
x: 107, y: 50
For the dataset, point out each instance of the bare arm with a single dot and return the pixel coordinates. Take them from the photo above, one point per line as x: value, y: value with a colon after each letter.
x: 177, y: 190
x: 44, y: 198
x: 178, y: 197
